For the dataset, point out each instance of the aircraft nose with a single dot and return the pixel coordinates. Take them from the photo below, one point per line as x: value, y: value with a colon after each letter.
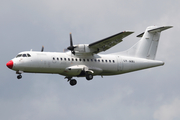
x: 10, y: 64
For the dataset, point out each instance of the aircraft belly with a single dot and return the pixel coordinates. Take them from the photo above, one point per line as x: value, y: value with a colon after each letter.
x: 134, y: 64
x: 109, y: 69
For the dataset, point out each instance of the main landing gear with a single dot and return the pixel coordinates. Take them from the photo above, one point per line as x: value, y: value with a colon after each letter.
x: 89, y: 76
x: 71, y: 81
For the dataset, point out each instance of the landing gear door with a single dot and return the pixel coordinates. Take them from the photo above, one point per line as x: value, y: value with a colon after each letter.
x: 119, y: 63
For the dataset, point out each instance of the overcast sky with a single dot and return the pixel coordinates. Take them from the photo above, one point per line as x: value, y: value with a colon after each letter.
x: 152, y: 94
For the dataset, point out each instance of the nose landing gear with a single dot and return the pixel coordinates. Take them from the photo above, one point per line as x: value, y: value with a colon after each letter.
x: 19, y: 76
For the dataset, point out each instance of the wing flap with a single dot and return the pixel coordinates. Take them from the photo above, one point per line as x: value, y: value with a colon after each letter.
x: 105, y: 44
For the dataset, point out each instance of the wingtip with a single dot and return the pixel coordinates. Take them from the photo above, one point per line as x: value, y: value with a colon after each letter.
x: 170, y: 26
x: 128, y: 31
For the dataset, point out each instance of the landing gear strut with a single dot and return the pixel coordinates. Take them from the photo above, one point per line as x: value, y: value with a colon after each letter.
x: 19, y: 74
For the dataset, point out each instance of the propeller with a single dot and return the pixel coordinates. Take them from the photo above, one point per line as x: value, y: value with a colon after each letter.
x: 71, y: 47
x: 42, y: 49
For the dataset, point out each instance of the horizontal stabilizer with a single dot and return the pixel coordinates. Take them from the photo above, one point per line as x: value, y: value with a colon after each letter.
x: 159, y: 29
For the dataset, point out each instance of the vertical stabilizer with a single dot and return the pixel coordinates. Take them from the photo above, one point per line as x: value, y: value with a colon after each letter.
x: 147, y: 46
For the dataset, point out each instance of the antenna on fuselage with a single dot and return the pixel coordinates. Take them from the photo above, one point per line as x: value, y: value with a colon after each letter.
x: 42, y: 49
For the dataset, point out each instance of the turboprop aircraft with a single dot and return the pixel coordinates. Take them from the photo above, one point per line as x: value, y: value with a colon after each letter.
x: 84, y: 60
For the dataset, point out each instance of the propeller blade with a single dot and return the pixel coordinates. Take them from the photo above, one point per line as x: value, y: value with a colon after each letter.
x: 71, y: 42
x: 71, y: 47
x: 73, y: 52
x: 42, y: 49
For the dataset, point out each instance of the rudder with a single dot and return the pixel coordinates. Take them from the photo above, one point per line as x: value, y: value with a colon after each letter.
x: 147, y: 46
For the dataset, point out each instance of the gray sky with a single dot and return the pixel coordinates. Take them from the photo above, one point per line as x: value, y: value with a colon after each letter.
x: 151, y: 94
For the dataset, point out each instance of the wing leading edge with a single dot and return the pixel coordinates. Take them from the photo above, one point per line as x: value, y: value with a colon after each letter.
x: 105, y: 44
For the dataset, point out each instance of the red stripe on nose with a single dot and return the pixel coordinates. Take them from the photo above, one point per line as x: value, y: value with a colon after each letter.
x: 10, y: 64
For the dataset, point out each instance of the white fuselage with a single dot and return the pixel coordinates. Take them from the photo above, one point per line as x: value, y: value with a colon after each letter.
x: 83, y: 60
x: 71, y: 65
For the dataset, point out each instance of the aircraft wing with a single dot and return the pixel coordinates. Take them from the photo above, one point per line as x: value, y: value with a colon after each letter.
x: 105, y: 44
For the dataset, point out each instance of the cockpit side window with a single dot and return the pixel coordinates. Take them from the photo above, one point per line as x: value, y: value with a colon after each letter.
x: 28, y: 55
x: 19, y: 55
x: 24, y: 55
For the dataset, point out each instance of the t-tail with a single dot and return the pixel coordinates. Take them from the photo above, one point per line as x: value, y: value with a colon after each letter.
x: 147, y: 46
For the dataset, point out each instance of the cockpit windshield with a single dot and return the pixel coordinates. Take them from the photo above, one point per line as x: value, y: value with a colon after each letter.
x: 23, y: 55
x: 19, y: 55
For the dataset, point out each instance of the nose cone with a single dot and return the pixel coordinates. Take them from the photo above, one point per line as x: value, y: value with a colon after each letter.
x: 10, y: 64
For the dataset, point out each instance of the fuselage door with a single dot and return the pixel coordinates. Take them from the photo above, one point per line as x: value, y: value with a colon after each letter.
x: 119, y: 63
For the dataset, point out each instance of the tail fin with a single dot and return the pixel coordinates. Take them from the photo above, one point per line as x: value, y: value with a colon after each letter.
x: 147, y: 46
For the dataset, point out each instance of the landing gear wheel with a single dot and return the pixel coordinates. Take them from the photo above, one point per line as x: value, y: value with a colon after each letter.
x: 89, y: 76
x: 19, y: 76
x: 73, y: 82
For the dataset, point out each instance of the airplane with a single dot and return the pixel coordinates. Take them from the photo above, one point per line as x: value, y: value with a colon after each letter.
x: 84, y: 60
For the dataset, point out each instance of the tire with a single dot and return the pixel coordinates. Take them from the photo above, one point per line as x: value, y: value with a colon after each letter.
x: 89, y: 76
x: 73, y: 82
x: 19, y: 76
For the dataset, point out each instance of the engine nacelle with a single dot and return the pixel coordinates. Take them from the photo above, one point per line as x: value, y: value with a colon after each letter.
x: 83, y: 48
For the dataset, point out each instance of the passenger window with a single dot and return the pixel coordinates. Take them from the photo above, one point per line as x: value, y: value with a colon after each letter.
x: 72, y: 59
x: 53, y: 58
x: 28, y: 55
x: 91, y: 60
x: 113, y: 61
x: 84, y: 60
x: 61, y: 59
x: 88, y: 60
x: 24, y: 55
x: 95, y: 60
x: 109, y: 60
x: 106, y: 60
x: 65, y: 59
x: 98, y: 60
x: 76, y: 59
x: 68, y: 59
x: 102, y: 60
x: 79, y: 59
x: 57, y: 58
